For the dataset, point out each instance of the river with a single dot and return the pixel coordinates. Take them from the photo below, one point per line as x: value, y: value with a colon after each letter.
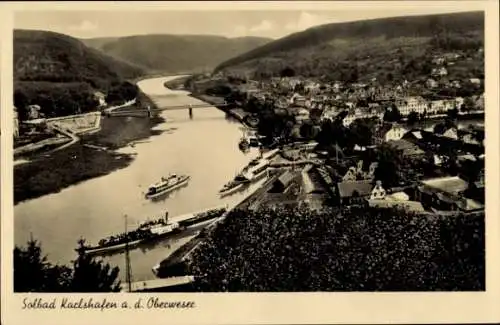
x: 204, y: 147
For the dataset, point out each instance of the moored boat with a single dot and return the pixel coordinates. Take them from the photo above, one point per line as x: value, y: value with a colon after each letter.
x: 166, y: 184
x: 254, y: 162
x: 146, y: 231
x: 239, y: 182
x: 203, y: 216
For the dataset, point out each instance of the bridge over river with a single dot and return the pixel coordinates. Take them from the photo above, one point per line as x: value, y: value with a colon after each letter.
x: 150, y: 111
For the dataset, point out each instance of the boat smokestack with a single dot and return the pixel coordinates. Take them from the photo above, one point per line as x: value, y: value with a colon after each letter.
x: 166, y: 216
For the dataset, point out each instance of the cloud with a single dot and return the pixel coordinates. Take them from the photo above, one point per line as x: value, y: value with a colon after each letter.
x: 84, y: 26
x: 261, y: 28
x: 264, y: 26
x: 307, y: 20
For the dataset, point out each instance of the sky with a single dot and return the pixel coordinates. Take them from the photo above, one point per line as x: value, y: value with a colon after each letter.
x: 236, y: 23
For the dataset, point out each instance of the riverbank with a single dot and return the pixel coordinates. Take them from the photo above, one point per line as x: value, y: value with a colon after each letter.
x: 52, y: 172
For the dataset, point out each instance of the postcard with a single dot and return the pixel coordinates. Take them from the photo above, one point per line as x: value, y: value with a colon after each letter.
x: 250, y: 162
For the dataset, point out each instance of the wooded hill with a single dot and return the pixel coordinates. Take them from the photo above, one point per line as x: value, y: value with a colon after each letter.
x: 176, y: 53
x: 399, y: 46
x: 61, y: 74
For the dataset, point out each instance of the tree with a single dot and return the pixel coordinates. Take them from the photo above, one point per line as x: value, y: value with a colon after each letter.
x: 306, y: 130
x: 352, y: 249
x: 452, y: 113
x: 287, y: 72
x: 389, y: 165
x: 412, y: 118
x: 92, y: 275
x: 468, y: 104
x: 439, y: 128
x: 392, y: 114
x: 361, y: 132
x: 33, y: 273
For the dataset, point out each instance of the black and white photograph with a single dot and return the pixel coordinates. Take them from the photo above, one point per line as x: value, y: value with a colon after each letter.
x: 249, y: 150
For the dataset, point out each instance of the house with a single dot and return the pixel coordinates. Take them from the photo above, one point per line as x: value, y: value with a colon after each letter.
x: 328, y: 114
x: 411, y: 104
x: 298, y: 100
x: 438, y: 160
x: 349, y: 119
x: 357, y: 172
x: 101, y: 98
x: 414, y: 136
x: 350, y: 105
x: 282, y: 183
x: 353, y: 192
x: 371, y: 169
x: 470, y: 139
x: 451, y: 56
x: 479, y: 102
x: 440, y: 106
x: 395, y: 132
x: 378, y: 192
x: 312, y: 87
x: 33, y: 112
x: 398, y: 196
x: 431, y: 83
x: 438, y: 60
x: 281, y: 102
x: 451, y: 133
x: 350, y: 175
x: 475, y: 81
x: 337, y: 86
x: 459, y: 102
x: 455, y: 84
x: 278, y: 111
x: 288, y: 83
x: 15, y: 129
x: 439, y: 72
x: 406, y: 148
x: 446, y: 194
x: 302, y: 115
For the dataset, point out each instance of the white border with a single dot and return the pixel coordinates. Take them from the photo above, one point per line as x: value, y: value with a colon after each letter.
x: 240, y: 308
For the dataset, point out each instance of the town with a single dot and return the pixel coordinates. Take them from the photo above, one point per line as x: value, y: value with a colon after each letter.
x: 402, y: 144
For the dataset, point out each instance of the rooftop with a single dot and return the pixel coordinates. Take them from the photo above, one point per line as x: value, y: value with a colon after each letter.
x: 347, y: 189
x: 452, y: 184
x: 406, y: 146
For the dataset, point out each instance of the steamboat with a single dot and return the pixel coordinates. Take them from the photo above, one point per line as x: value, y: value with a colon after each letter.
x: 166, y: 184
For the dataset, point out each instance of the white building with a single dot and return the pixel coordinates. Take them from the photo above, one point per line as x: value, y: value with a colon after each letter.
x: 459, y: 102
x: 378, y: 192
x: 411, y: 104
x: 431, y: 83
x: 101, y: 98
x: 439, y: 72
x: 302, y: 115
x: 441, y: 106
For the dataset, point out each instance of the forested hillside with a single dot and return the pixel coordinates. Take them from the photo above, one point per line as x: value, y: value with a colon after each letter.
x: 398, y: 46
x: 61, y: 74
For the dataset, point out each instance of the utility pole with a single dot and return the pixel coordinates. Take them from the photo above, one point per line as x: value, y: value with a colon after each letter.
x: 128, y: 267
